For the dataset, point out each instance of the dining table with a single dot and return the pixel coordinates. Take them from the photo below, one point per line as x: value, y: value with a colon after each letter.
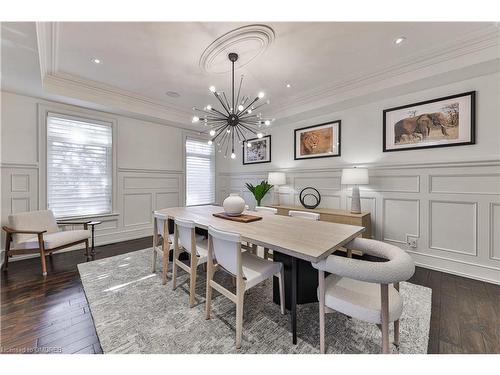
x: 297, y: 238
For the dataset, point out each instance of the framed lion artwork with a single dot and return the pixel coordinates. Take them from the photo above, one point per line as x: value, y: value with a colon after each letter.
x: 317, y: 141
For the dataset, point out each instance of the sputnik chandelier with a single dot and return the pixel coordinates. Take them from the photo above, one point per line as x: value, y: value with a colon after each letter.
x: 237, y: 121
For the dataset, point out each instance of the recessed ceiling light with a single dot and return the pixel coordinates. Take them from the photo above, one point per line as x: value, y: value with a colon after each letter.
x: 288, y: 85
x: 96, y: 61
x: 399, y: 40
x: 173, y: 94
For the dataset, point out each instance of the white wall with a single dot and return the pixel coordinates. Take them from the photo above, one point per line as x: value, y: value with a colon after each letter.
x: 148, y: 167
x: 447, y: 197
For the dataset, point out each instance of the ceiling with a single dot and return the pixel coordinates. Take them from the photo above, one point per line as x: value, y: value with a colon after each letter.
x: 140, y: 62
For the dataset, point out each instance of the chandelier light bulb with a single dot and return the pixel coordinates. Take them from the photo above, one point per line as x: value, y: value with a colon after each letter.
x: 240, y: 108
x: 210, y: 142
x: 249, y: 111
x: 267, y: 122
x: 249, y: 144
x: 212, y: 88
x: 209, y: 107
x: 196, y: 119
x: 233, y: 155
x: 260, y: 135
x: 228, y: 130
x: 212, y: 132
x: 261, y: 95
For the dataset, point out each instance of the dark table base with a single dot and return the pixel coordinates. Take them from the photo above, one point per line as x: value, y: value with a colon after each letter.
x: 301, y: 283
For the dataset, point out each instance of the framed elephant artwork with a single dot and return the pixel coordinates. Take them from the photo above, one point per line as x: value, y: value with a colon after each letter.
x: 442, y: 122
x: 317, y: 141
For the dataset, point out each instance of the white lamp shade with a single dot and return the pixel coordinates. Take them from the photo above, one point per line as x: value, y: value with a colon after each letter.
x: 354, y: 176
x: 276, y: 178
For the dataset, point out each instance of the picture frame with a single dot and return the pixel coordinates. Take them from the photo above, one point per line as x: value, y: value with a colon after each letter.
x: 318, y: 141
x: 259, y: 151
x: 442, y: 122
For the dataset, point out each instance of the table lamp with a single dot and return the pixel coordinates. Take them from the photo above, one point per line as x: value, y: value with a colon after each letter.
x: 276, y: 179
x: 355, y: 177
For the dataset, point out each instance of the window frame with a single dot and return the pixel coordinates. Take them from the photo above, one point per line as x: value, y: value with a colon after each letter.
x: 197, y: 136
x: 75, y: 113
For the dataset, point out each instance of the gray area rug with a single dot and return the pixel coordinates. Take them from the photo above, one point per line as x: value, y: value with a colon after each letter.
x: 134, y: 313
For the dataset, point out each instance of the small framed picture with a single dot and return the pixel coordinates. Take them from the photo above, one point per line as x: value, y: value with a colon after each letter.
x: 257, y: 150
x: 443, y: 122
x: 317, y: 141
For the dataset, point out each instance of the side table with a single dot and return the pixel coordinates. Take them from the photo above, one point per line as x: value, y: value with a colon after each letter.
x: 92, y: 229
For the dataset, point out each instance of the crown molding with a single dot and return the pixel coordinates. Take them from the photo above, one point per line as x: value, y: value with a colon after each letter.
x: 62, y: 83
x: 484, y: 40
x: 475, y: 47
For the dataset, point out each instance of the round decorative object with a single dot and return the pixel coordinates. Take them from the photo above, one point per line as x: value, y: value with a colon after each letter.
x: 249, y: 41
x: 310, y: 197
x: 234, y: 205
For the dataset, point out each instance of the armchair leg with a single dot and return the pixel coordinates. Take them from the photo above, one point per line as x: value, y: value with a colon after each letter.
x: 396, y: 333
x: 384, y: 289
x: 155, y: 243
x: 41, y: 246
x: 7, y: 250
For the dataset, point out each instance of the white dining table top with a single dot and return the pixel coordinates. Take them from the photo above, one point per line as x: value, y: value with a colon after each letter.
x: 302, y: 238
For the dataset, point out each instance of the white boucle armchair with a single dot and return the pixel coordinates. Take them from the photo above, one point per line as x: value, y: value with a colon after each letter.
x: 38, y: 232
x: 365, y: 290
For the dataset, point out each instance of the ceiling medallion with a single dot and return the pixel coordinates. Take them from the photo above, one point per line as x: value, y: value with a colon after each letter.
x: 236, y: 120
x: 249, y: 41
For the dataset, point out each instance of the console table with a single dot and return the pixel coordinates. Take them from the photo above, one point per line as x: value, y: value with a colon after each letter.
x: 333, y: 215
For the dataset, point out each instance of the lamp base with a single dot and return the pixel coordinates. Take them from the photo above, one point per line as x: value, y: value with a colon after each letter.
x: 276, y: 196
x: 355, y: 200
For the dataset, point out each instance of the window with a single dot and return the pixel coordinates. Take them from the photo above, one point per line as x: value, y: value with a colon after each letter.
x: 79, y: 166
x: 200, y: 172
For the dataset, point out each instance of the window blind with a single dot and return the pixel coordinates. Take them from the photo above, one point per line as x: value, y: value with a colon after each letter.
x: 200, y: 172
x: 79, y: 166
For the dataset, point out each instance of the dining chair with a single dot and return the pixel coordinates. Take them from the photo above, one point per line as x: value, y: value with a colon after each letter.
x: 248, y: 269
x: 162, y: 243
x: 365, y: 290
x: 267, y: 210
x: 270, y: 211
x: 304, y: 214
x: 185, y: 239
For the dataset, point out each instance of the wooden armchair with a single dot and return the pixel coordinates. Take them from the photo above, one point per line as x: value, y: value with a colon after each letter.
x: 38, y: 232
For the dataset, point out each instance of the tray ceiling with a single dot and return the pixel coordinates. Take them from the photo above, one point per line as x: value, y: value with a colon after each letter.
x: 141, y: 62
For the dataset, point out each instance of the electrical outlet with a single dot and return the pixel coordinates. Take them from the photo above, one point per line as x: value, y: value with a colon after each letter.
x: 412, y: 241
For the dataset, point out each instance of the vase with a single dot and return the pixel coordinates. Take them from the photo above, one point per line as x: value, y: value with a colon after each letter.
x: 233, y: 205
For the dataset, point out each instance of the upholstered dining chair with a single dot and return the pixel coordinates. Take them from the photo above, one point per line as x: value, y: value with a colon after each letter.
x: 304, y: 214
x: 162, y: 243
x: 270, y: 211
x: 38, y: 232
x: 185, y: 239
x: 365, y: 290
x: 248, y: 269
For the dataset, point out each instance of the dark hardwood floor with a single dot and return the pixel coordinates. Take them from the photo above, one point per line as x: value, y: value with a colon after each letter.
x: 52, y: 315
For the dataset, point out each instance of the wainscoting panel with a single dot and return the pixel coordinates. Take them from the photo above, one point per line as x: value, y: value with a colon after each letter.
x: 452, y: 209
x: 465, y: 184
x: 137, y: 208
x: 401, y: 218
x: 453, y: 226
x: 394, y: 184
x: 139, y: 192
x: 494, y: 231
